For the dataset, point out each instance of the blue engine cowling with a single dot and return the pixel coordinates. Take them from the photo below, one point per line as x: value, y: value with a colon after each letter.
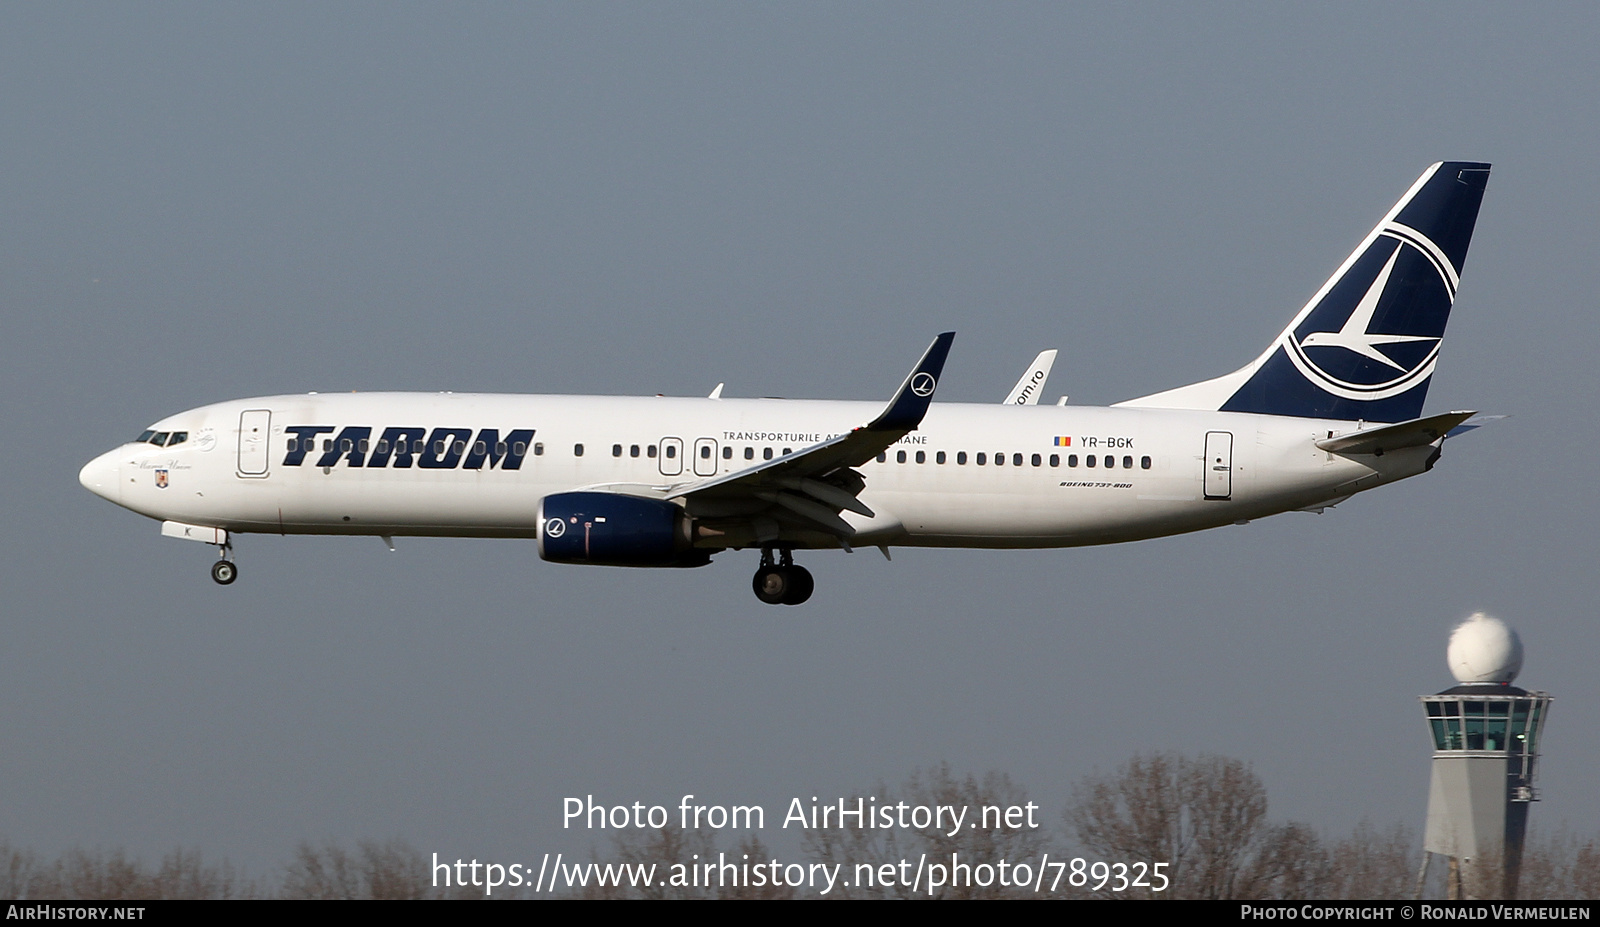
x: 609, y: 529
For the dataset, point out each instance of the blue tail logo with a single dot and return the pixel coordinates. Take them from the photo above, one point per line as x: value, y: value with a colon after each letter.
x: 1366, y: 345
x: 1383, y: 346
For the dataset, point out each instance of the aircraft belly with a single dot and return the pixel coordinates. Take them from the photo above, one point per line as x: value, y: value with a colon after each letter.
x: 1060, y: 520
x: 446, y: 503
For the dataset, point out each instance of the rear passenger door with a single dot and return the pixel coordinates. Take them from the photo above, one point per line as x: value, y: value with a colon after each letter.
x: 1219, y: 465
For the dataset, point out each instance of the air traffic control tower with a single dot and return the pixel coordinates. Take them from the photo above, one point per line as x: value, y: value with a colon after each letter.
x: 1485, y: 747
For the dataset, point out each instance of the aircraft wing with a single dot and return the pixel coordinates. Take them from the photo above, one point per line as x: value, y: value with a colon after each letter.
x: 1415, y: 433
x: 815, y: 483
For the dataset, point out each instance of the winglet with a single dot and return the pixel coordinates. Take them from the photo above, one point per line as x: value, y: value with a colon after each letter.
x: 910, y: 403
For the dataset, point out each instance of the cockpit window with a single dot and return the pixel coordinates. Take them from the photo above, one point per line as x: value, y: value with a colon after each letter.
x: 162, y: 438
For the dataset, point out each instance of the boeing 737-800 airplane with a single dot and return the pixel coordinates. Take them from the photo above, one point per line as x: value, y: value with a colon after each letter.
x: 1331, y: 408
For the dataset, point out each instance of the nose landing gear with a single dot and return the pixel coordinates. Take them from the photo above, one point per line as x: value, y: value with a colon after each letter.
x: 783, y: 582
x: 223, y: 571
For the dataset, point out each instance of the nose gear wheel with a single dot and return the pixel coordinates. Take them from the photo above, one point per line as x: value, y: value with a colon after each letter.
x: 224, y: 572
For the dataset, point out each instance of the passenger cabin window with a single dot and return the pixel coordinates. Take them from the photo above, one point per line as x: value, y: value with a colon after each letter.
x: 766, y: 453
x: 727, y: 452
x: 616, y: 450
x: 650, y: 452
x: 1072, y: 460
x: 1055, y: 460
x: 705, y: 452
x: 577, y: 450
x: 672, y: 451
x: 538, y: 448
x: 1127, y: 463
x: 883, y: 456
x: 1144, y: 463
x: 1016, y: 460
x: 1037, y: 460
x: 521, y: 448
x: 899, y: 456
x: 749, y: 453
x: 939, y: 457
x: 961, y: 458
x: 982, y: 458
x: 633, y: 450
x: 999, y: 460
x: 922, y: 457
x: 1088, y: 460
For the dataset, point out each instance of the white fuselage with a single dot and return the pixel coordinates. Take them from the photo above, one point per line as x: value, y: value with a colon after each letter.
x: 1169, y: 471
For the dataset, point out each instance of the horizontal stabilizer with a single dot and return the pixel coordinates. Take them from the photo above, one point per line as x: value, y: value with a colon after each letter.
x: 1472, y: 424
x: 1415, y: 433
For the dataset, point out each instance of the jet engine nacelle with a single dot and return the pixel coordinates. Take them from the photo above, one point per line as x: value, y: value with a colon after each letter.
x: 609, y: 529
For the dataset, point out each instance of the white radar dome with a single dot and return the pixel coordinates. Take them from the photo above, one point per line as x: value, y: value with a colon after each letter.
x: 1482, y: 649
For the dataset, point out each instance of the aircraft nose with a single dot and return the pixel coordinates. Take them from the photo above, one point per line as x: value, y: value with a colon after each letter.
x: 102, y: 476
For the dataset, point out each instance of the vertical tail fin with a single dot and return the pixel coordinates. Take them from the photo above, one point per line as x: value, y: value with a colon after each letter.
x: 1366, y: 344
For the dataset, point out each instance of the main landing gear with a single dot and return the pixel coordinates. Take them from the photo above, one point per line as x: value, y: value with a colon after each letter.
x: 782, y: 583
x: 223, y: 571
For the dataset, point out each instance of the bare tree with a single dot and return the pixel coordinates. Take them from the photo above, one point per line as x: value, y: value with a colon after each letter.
x: 1376, y: 864
x: 848, y: 846
x: 113, y: 875
x: 392, y: 869
x: 752, y: 849
x: 17, y: 871
x: 657, y: 851
x: 1560, y: 867
x: 1205, y: 818
x: 1289, y: 862
x: 666, y: 856
x: 986, y: 843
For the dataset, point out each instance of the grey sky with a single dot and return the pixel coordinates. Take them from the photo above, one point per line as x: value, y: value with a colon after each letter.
x: 205, y: 202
